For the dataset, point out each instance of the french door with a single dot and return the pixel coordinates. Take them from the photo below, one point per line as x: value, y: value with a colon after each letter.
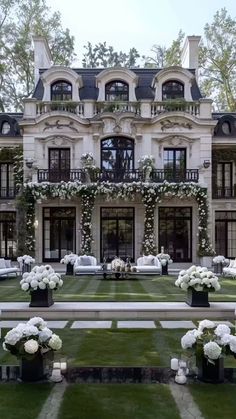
x: 59, y: 164
x: 175, y: 232
x: 174, y: 164
x: 225, y: 233
x: 58, y: 233
x: 117, y: 233
x: 8, y: 234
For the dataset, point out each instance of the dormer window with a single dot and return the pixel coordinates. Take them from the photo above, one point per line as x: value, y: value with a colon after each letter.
x: 226, y: 128
x: 117, y: 91
x: 5, y: 128
x: 172, y: 89
x: 61, y: 91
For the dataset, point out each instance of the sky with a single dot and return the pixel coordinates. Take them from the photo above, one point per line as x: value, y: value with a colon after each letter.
x: 136, y: 23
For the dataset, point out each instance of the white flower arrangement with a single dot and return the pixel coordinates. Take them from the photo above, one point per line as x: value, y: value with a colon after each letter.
x: 146, y: 162
x: 212, y: 340
x: 117, y: 264
x: 199, y: 278
x: 41, y: 277
x: 87, y: 159
x: 220, y: 259
x: 164, y: 258
x: 28, y: 339
x: 71, y: 258
x: 26, y: 260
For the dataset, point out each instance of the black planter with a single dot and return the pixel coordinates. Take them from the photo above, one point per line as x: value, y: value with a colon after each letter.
x: 210, y: 373
x: 32, y: 370
x: 197, y: 298
x: 26, y: 267
x: 41, y: 298
x: 69, y: 269
x: 218, y: 268
x: 164, y: 269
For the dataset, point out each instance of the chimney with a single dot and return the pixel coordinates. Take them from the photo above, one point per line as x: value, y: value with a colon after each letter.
x: 42, y: 56
x: 189, y: 56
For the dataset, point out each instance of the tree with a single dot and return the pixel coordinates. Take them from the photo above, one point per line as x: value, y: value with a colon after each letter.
x: 102, y: 55
x: 218, y: 61
x: 165, y: 57
x: 19, y: 20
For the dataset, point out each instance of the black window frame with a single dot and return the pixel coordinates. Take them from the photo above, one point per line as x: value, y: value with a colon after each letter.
x: 118, y: 92
x: 63, y: 94
x: 170, y: 93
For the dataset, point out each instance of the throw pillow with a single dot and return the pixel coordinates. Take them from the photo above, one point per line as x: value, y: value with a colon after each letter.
x: 148, y: 260
x: 85, y: 261
x: 7, y: 263
x: 2, y: 263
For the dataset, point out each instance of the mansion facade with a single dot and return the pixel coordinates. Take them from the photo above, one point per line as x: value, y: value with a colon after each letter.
x: 117, y: 162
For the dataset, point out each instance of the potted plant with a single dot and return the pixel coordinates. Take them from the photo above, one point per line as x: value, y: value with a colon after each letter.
x: 164, y: 259
x: 218, y: 262
x: 210, y: 342
x: 69, y: 261
x: 146, y: 164
x: 32, y: 342
x: 197, y: 281
x: 117, y: 265
x: 41, y: 282
x: 90, y: 169
x: 25, y: 263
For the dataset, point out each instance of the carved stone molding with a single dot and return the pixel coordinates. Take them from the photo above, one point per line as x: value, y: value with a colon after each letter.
x: 168, y: 124
x: 174, y: 141
x: 59, y: 125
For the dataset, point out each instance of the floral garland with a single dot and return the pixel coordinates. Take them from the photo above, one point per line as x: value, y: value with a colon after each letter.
x: 151, y: 194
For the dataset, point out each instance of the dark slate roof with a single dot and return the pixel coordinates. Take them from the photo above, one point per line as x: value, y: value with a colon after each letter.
x: 12, y: 119
x: 218, y: 115
x: 144, y: 89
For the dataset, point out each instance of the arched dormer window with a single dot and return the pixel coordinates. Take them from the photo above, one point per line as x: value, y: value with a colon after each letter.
x: 117, y: 90
x: 172, y: 89
x: 61, y: 91
x: 5, y: 128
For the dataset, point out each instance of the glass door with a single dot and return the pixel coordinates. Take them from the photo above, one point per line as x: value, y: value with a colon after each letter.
x: 174, y: 164
x: 59, y: 233
x: 59, y: 164
x: 117, y: 233
x: 8, y: 235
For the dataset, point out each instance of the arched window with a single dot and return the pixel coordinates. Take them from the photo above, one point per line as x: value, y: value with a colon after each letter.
x: 117, y: 91
x: 61, y: 91
x: 172, y: 89
x: 117, y: 157
x: 226, y: 128
x: 5, y: 128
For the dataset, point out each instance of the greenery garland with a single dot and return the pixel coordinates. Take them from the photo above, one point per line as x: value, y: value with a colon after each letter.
x: 151, y: 194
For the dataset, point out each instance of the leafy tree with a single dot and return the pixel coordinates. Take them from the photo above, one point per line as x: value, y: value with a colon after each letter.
x: 165, y: 57
x: 102, y: 55
x: 19, y: 20
x: 218, y: 61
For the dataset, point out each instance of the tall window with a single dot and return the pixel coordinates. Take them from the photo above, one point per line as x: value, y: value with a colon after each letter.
x: 174, y: 164
x: 7, y: 188
x: 61, y: 91
x: 224, y: 180
x: 172, y: 89
x: 117, y: 91
x: 117, y: 157
x: 225, y: 233
x: 59, y: 164
x: 8, y: 234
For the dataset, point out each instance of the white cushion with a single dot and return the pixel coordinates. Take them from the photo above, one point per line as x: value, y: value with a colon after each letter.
x: 8, y: 263
x: 85, y: 261
x: 2, y: 263
x: 149, y: 260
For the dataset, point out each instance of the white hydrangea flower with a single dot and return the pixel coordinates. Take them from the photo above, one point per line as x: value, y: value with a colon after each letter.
x: 225, y: 339
x: 212, y: 350
x: 45, y: 334
x: 232, y: 343
x: 52, y: 285
x: 55, y: 342
x: 206, y: 324
x: 31, y: 346
x: 34, y: 283
x: 42, y: 285
x: 188, y: 340
x: 38, y: 322
x: 13, y: 336
x: 25, y: 286
x: 30, y: 330
x: 221, y: 330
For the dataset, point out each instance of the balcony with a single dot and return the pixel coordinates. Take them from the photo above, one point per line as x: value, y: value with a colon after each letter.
x: 8, y: 193
x: 101, y: 107
x: 223, y: 193
x: 76, y: 108
x: 133, y: 175
x: 157, y: 108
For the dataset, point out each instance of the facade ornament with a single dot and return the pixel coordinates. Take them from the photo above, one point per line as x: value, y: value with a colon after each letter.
x: 117, y: 128
x: 58, y: 125
x: 168, y: 124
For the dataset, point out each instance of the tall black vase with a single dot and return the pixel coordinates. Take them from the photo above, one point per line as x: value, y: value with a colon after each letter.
x: 32, y: 370
x: 164, y: 269
x: 208, y: 372
x: 69, y: 269
x: 41, y: 298
x: 197, y: 298
x: 26, y: 267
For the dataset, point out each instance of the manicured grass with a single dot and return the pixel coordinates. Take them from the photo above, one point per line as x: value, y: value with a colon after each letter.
x: 118, y: 401
x: 22, y: 401
x: 115, y: 347
x: 215, y: 401
x: 91, y: 288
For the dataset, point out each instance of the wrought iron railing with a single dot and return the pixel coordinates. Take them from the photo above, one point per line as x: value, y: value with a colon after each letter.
x: 176, y: 176
x: 54, y: 176
x: 223, y: 193
x: 8, y: 193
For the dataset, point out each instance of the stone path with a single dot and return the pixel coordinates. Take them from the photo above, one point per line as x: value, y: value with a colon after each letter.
x: 51, y: 407
x: 177, y: 324
x: 132, y: 324
x: 185, y: 403
x: 90, y: 324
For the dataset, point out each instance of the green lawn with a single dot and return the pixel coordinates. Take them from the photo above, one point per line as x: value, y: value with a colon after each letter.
x: 91, y: 288
x: 22, y: 401
x: 118, y: 401
x: 215, y: 401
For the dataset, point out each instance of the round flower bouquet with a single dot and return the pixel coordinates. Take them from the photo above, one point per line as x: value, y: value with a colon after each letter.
x: 40, y: 282
x: 31, y: 342
x: 210, y: 342
x: 219, y: 261
x: 146, y: 163
x: 25, y: 262
x: 197, y: 281
x: 117, y: 264
x: 164, y: 259
x: 69, y: 261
